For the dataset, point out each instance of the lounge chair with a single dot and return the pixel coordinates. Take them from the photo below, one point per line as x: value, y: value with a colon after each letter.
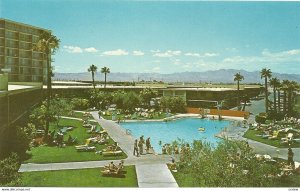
x: 289, y: 137
x: 275, y: 135
x: 86, y: 149
x: 112, y: 153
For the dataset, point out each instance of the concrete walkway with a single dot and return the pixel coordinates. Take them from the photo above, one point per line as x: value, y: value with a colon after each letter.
x: 117, y: 133
x: 155, y: 175
x: 143, y: 160
x: 151, y: 169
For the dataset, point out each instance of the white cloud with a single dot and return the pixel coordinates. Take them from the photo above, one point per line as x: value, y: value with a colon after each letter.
x: 207, y: 54
x: 138, y: 53
x: 73, y: 49
x: 156, y: 69
x: 287, y: 53
x: 118, y: 52
x: 155, y: 51
x: 167, y: 54
x: 90, y: 49
x: 192, y: 54
x: 266, y: 57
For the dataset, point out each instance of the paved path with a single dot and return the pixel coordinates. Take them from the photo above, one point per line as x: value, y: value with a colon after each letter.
x: 117, y: 133
x: 151, y: 170
x: 143, y: 160
x: 154, y: 175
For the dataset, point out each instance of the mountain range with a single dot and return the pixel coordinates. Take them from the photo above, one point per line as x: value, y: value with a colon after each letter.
x: 216, y: 76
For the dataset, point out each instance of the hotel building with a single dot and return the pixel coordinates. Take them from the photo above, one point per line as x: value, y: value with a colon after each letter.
x: 16, y: 42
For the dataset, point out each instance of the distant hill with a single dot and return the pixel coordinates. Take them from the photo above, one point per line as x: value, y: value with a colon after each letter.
x: 223, y: 75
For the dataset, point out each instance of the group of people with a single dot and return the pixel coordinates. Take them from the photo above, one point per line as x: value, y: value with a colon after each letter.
x: 139, y: 146
x: 112, y: 168
x: 168, y: 149
x: 99, y: 138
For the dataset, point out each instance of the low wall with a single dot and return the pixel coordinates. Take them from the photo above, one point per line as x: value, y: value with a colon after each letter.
x: 231, y: 113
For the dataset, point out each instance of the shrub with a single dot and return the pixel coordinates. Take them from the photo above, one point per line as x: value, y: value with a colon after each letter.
x: 260, y: 119
x: 9, y: 167
x: 80, y: 104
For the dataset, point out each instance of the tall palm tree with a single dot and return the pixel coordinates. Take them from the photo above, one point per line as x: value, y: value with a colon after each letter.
x: 47, y: 44
x: 279, y: 86
x: 274, y: 82
x: 292, y: 86
x: 266, y: 73
x: 93, y: 70
x: 238, y: 77
x: 284, y: 87
x: 105, y: 71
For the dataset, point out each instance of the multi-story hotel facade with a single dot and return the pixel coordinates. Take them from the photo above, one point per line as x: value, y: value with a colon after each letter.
x: 17, y: 54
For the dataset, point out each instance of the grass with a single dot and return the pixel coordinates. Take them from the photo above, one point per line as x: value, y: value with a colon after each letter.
x: 185, y: 180
x: 53, y: 154
x: 78, y: 178
x: 252, y: 134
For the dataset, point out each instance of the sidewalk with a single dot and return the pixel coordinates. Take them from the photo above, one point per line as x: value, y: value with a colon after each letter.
x: 155, y: 175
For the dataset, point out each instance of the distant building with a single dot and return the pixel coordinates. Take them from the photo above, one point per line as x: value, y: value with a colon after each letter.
x: 16, y: 42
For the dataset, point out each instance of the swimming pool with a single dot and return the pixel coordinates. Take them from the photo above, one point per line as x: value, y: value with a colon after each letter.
x: 186, y: 129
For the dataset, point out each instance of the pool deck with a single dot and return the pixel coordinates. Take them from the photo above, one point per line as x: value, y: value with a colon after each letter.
x: 151, y: 169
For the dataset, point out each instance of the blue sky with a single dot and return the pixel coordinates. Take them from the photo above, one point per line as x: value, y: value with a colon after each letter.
x: 167, y: 37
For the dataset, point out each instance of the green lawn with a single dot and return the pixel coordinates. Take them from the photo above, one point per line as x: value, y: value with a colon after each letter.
x: 251, y: 134
x: 51, y: 154
x: 78, y: 178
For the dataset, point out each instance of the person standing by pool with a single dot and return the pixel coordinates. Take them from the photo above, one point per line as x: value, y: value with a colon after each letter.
x: 140, y: 147
x: 148, y: 144
x: 135, y: 148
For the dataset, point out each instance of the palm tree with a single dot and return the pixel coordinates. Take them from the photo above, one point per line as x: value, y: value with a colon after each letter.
x: 105, y: 70
x: 284, y: 87
x: 238, y: 77
x: 279, y: 86
x: 292, y: 86
x: 93, y: 69
x: 274, y: 82
x: 47, y: 45
x: 266, y: 73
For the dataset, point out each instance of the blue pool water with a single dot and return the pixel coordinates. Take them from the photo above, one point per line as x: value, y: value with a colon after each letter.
x: 185, y: 129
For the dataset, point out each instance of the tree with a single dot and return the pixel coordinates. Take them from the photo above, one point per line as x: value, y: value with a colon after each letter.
x: 274, y: 82
x: 175, y: 104
x: 9, y: 167
x: 266, y: 73
x: 79, y: 103
x: 118, y: 98
x: 93, y: 70
x: 131, y: 101
x: 47, y: 45
x: 284, y: 87
x: 279, y: 86
x: 105, y: 71
x: 229, y: 164
x: 292, y: 86
x: 147, y: 94
x: 238, y: 77
x: 59, y: 107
